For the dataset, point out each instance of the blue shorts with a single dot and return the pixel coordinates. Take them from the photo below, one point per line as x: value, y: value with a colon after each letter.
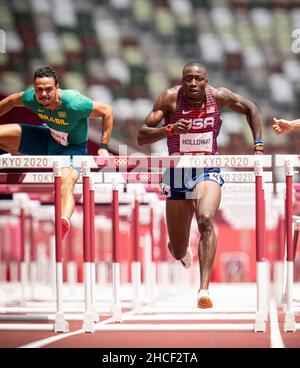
x: 178, y: 184
x: 37, y: 140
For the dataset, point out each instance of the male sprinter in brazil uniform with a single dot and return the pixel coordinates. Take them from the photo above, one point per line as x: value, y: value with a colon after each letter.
x: 65, y: 114
x: 192, y: 122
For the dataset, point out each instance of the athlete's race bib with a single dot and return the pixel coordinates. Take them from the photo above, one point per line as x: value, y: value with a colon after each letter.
x: 165, y: 190
x: 216, y: 177
x: 196, y: 142
x: 60, y: 137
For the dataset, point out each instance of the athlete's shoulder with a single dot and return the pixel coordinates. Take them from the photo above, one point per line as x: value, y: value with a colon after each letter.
x: 73, y: 99
x: 28, y: 96
x: 220, y: 92
x: 170, y: 94
x: 214, y: 91
x: 173, y: 91
x: 167, y: 100
x: 68, y: 95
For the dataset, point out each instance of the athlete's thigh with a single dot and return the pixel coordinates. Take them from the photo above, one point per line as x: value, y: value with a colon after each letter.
x: 34, y: 140
x: 208, y: 198
x: 179, y: 216
x: 10, y: 137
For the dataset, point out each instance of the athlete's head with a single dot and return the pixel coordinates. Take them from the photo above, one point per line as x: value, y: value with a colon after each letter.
x: 45, y: 85
x: 194, y: 80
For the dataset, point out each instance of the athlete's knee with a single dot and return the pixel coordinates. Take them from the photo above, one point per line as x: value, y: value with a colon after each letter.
x: 69, y: 177
x: 10, y: 130
x: 10, y: 136
x: 206, y: 222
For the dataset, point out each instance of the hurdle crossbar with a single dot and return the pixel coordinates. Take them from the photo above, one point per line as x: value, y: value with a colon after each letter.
x: 186, y: 161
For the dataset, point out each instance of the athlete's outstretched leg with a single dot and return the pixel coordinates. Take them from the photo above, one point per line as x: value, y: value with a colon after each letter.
x: 69, y: 177
x: 206, y: 205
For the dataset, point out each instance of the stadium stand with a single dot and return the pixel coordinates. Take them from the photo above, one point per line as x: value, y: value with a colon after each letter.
x: 125, y: 52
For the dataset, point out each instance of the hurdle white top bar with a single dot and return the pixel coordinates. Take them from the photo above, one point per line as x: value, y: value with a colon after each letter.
x: 40, y: 178
x: 155, y: 177
x: 244, y: 176
x: 135, y: 177
x: 188, y: 161
x: 280, y: 160
x: 32, y: 162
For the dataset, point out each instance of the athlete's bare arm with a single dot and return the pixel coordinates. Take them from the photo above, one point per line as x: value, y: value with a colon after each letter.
x: 11, y: 101
x: 163, y: 108
x: 105, y: 112
x: 226, y: 98
x: 283, y: 126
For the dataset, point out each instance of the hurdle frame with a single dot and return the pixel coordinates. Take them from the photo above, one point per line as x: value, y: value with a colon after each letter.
x: 257, y: 162
x: 55, y: 163
x: 288, y: 163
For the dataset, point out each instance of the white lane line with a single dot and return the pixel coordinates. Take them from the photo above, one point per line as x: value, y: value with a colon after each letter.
x: 26, y: 327
x: 177, y: 327
x: 190, y: 317
x: 50, y: 340
x: 276, y: 339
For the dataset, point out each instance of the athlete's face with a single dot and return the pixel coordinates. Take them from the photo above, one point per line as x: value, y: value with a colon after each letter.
x: 45, y: 90
x: 194, y: 81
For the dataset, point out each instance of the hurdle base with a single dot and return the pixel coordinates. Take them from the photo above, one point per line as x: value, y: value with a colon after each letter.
x: 266, y: 313
x: 88, y: 322
x: 60, y: 324
x: 260, y: 322
x: 289, y: 322
x: 95, y: 312
x: 116, y: 311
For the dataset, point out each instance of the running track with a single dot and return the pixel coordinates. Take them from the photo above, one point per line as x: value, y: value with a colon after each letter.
x: 233, y: 304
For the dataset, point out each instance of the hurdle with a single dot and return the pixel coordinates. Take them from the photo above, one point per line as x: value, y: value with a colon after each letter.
x: 142, y: 214
x: 289, y: 162
x: 141, y: 164
x: 225, y: 162
x: 29, y: 182
x: 43, y: 183
x: 55, y: 163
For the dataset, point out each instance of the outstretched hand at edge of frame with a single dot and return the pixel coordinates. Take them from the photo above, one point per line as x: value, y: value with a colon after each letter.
x: 281, y: 126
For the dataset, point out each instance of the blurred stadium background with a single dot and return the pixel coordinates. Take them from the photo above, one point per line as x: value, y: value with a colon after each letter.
x: 126, y: 52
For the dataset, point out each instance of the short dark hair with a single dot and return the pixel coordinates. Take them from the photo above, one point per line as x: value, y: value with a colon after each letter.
x: 46, y: 71
x: 194, y: 63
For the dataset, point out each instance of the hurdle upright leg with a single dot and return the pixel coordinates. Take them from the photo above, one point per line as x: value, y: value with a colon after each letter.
x: 116, y: 276
x: 23, y: 268
x: 88, y: 319
x: 136, y: 268
x: 151, y: 269
x: 279, y: 261
x: 60, y: 325
x: 92, y: 246
x: 289, y: 321
x: 296, y: 220
x: 261, y: 276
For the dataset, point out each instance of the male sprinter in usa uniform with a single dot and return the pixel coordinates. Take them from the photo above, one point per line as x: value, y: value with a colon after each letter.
x: 192, y: 122
x: 65, y: 114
